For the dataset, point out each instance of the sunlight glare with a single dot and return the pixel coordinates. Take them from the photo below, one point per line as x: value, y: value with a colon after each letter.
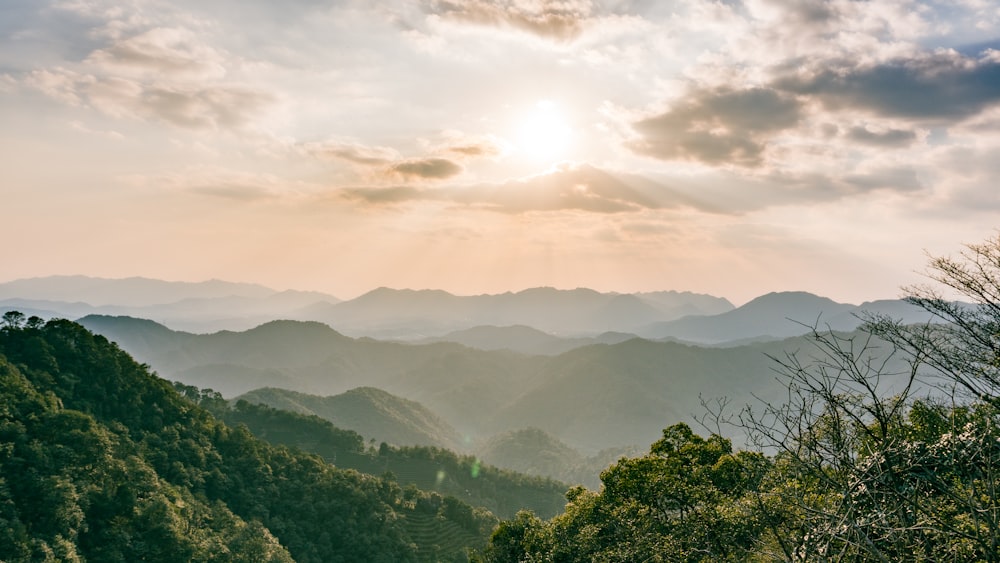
x: 544, y: 133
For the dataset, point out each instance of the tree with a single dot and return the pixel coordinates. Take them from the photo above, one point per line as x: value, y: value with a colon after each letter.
x: 13, y: 319
x: 887, y: 447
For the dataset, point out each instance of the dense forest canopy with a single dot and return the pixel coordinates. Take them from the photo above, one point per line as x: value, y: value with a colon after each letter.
x: 100, y: 460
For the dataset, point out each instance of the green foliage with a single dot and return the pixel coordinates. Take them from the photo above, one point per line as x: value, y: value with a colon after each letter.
x: 684, y: 501
x: 499, y: 491
x: 102, y: 461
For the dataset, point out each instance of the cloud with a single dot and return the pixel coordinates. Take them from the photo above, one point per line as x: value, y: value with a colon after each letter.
x: 443, y: 161
x: 558, y: 20
x: 943, y: 86
x: 426, y: 168
x: 898, y: 178
x: 172, y: 51
x: 387, y: 195
x: 200, y: 108
x: 352, y: 151
x: 59, y: 84
x: 718, y: 126
x: 582, y: 187
x: 163, y: 74
x: 473, y: 148
x: 881, y: 138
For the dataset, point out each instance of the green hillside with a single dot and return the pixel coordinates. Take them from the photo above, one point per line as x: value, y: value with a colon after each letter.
x: 101, y: 460
x: 373, y: 413
x: 502, y: 492
x: 536, y: 452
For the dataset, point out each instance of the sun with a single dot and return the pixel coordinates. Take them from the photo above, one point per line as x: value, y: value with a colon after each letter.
x: 544, y: 134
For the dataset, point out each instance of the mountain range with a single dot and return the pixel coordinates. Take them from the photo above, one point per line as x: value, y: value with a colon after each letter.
x: 593, y: 397
x: 373, y: 413
x: 382, y: 313
x: 199, y: 307
x: 553, y: 359
x: 533, y: 321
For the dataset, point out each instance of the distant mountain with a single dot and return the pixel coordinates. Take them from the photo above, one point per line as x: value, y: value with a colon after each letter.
x: 126, y: 292
x: 523, y: 339
x: 684, y: 303
x: 373, y: 413
x: 383, y: 417
x: 407, y: 314
x: 603, y: 396
x: 591, y: 398
x: 384, y: 313
x: 198, y: 307
x: 536, y: 452
x: 778, y: 315
x: 456, y: 382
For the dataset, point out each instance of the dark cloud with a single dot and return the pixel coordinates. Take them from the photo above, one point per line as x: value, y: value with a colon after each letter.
x: 386, y: 161
x: 887, y: 138
x: 559, y: 20
x: 576, y: 187
x: 736, y: 192
x: 426, y: 168
x: 718, y: 126
x: 943, y: 86
x: 586, y: 188
x: 808, y: 11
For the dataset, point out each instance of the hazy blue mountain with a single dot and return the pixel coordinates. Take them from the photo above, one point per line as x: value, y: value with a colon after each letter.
x: 384, y: 313
x: 523, y: 339
x: 47, y: 308
x: 594, y: 397
x: 196, y: 307
x: 893, y: 308
x: 602, y: 396
x: 684, y: 303
x: 373, y: 413
x: 128, y: 292
x: 777, y: 315
x: 409, y: 314
x: 456, y: 382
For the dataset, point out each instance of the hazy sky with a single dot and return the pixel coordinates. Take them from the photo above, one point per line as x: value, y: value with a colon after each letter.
x: 728, y: 147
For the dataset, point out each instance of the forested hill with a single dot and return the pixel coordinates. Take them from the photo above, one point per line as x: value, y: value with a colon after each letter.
x: 100, y: 460
x: 464, y: 477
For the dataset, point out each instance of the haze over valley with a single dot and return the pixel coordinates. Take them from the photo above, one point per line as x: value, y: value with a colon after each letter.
x: 593, y: 371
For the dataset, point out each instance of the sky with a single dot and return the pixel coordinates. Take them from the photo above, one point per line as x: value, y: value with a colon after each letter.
x: 725, y: 147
